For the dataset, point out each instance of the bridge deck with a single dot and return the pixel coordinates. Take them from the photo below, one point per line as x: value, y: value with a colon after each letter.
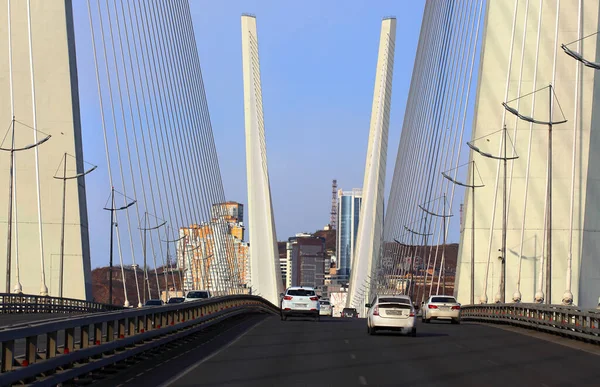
x: 340, y: 352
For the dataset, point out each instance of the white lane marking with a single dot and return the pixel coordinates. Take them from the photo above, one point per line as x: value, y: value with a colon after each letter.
x: 352, y: 356
x: 362, y: 380
x: 194, y: 366
x: 140, y: 374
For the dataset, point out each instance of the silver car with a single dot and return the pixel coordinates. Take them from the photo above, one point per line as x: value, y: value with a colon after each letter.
x: 391, y: 313
x: 441, y: 308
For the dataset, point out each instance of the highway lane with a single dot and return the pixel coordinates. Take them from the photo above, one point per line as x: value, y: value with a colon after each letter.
x: 340, y: 352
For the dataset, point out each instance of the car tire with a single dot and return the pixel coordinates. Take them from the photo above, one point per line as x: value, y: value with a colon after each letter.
x: 372, y: 331
x: 318, y: 318
x: 413, y: 333
x: 283, y: 317
x: 455, y: 321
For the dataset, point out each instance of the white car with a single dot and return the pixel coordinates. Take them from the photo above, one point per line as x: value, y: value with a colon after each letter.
x: 300, y: 301
x: 197, y: 295
x: 394, y: 312
x: 441, y: 308
x: 325, y: 308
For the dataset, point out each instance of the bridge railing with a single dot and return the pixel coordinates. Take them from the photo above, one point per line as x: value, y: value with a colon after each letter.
x: 26, y: 303
x: 59, y: 351
x: 569, y: 321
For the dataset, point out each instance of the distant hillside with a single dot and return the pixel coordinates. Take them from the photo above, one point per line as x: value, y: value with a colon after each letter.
x: 100, y: 281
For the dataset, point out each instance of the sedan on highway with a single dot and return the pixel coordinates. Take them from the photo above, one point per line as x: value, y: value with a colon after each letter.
x: 325, y: 308
x: 441, y: 308
x: 154, y: 303
x: 350, y: 312
x: 391, y: 313
x: 176, y: 300
x: 300, y: 302
x: 197, y: 295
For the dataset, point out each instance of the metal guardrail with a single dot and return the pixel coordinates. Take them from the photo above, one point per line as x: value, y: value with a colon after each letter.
x: 568, y: 321
x: 58, y: 351
x: 27, y: 303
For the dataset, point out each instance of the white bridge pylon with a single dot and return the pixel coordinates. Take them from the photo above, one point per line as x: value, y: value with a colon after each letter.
x: 370, y: 227
x: 264, y: 256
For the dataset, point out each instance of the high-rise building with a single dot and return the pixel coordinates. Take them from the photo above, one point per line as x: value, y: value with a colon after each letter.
x: 307, y: 260
x: 349, y: 204
x: 216, y: 255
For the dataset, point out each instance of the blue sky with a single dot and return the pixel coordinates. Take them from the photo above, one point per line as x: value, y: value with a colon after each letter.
x: 318, y: 67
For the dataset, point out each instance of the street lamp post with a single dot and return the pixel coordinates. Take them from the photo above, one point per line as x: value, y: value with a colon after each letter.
x: 11, y: 184
x: 112, y: 210
x: 443, y: 215
x: 412, y: 261
x: 146, y: 279
x: 548, y: 224
x: 64, y: 178
x: 472, y: 186
x: 501, y: 296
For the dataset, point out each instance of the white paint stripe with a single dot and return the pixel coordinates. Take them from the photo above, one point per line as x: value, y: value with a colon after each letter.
x: 362, y: 380
x: 194, y: 366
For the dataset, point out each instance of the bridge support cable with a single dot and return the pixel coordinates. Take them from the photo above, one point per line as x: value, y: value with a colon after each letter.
x: 199, y: 94
x: 440, y: 89
x: 568, y: 295
x: 423, y: 64
x: 160, y: 119
x: 43, y: 287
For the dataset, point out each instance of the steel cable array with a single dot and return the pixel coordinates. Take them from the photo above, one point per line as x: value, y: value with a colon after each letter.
x: 431, y: 140
x: 152, y: 94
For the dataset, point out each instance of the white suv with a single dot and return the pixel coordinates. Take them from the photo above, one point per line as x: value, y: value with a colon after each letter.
x: 300, y: 301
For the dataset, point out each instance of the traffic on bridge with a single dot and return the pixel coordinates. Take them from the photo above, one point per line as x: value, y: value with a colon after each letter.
x: 473, y: 260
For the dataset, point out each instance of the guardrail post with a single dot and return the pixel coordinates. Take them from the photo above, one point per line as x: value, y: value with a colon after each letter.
x: 8, y: 355
x: 51, y: 345
x: 110, y: 331
x: 30, y: 349
x: 98, y: 333
x: 121, y: 328
x: 84, y: 337
x: 69, y: 340
x: 131, y: 327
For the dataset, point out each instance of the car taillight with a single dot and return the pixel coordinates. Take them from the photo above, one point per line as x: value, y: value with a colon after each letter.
x: 376, y: 311
x: 287, y: 298
x: 432, y: 306
x: 314, y: 298
x: 456, y: 307
x: 412, y: 313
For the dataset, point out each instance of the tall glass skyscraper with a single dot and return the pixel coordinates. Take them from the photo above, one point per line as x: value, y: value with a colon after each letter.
x: 349, y: 203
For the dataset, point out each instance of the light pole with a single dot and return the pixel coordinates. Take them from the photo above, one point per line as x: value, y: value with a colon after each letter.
x: 443, y: 215
x: 472, y: 186
x: 64, y: 178
x: 146, y: 279
x: 11, y: 184
x: 501, y: 297
x: 568, y: 294
x: 169, y: 264
x: 548, y: 225
x: 412, y: 261
x: 112, y: 210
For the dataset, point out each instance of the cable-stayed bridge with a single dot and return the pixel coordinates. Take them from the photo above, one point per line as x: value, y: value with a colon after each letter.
x: 492, y: 82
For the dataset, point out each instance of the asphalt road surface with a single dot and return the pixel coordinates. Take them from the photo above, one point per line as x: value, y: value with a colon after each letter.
x: 265, y: 351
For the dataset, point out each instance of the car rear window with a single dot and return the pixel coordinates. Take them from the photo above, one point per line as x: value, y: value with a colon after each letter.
x: 349, y: 310
x: 446, y: 300
x: 395, y: 300
x: 301, y: 292
x: 325, y: 303
x: 197, y: 295
x: 153, y: 303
